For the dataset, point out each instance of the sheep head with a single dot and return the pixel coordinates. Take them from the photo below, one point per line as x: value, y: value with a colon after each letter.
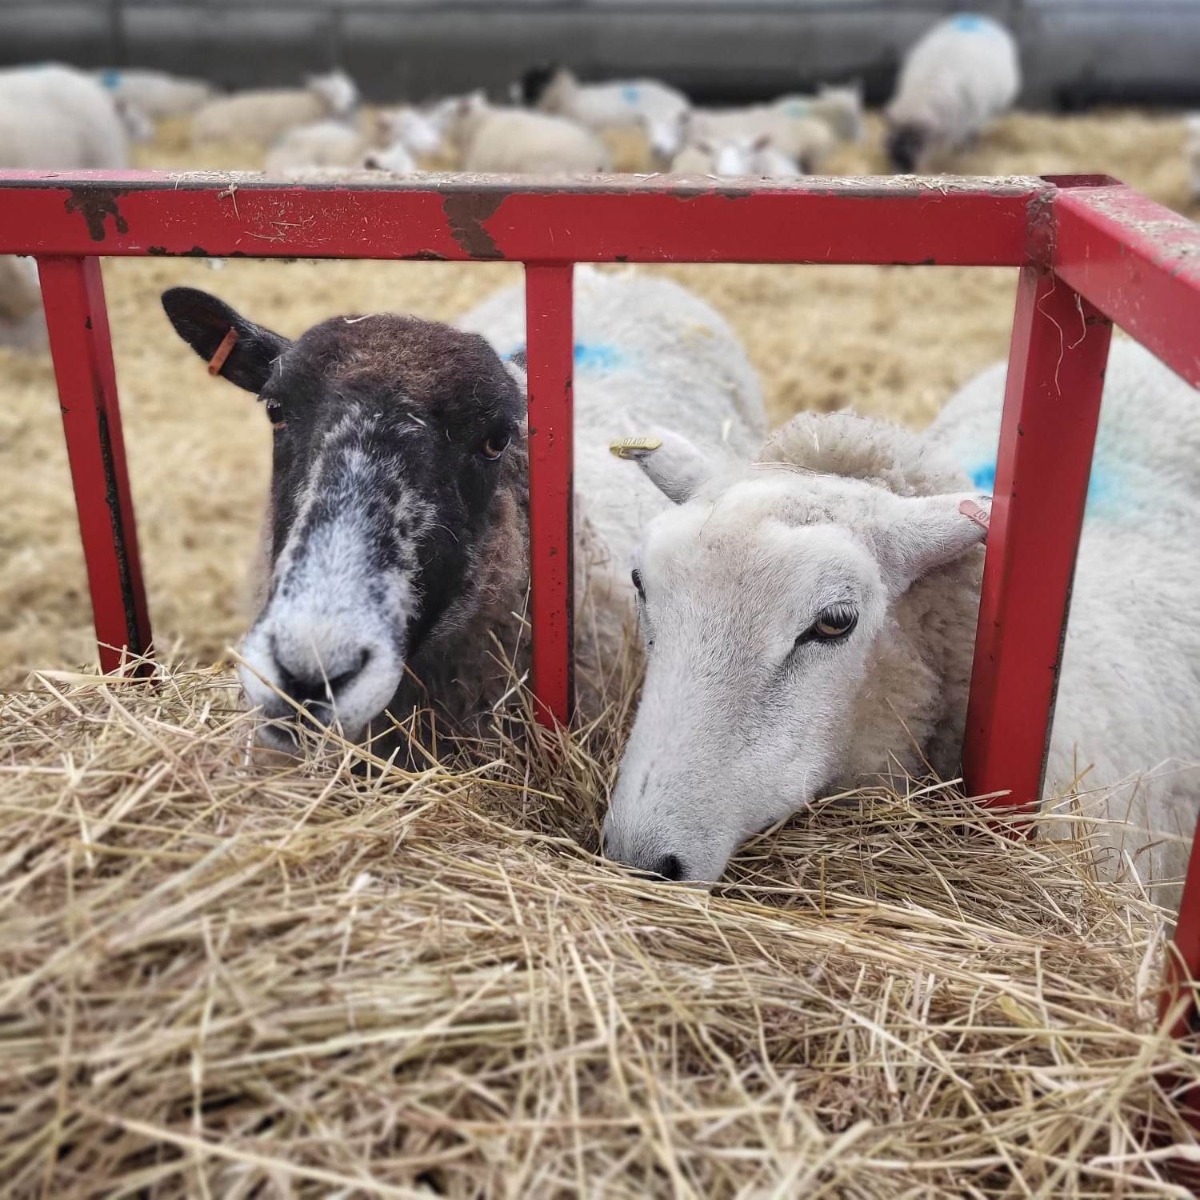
x: 398, y: 449
x: 768, y: 604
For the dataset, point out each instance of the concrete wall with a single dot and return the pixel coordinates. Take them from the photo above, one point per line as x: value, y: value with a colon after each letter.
x: 1075, y: 51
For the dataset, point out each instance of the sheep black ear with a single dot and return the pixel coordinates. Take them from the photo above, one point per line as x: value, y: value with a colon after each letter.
x: 676, y: 467
x: 535, y: 81
x: 204, y: 322
x: 921, y: 533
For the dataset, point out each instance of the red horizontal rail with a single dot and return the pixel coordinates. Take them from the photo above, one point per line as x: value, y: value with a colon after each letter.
x: 979, y: 222
x: 1138, y: 263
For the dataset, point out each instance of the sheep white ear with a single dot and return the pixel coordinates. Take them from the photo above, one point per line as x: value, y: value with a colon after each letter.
x: 676, y: 467
x: 922, y: 533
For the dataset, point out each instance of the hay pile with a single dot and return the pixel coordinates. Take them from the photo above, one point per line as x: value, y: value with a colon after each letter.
x: 219, y: 980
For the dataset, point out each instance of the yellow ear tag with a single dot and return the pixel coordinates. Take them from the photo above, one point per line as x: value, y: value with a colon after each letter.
x: 633, y: 447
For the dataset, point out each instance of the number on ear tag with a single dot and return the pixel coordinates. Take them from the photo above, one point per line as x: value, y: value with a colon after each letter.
x: 634, y: 447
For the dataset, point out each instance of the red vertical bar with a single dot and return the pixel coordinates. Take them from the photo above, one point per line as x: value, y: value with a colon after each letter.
x: 77, y: 320
x: 551, y: 348
x: 1183, y: 960
x: 1047, y: 433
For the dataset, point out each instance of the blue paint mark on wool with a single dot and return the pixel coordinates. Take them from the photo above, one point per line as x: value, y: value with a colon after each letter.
x: 111, y: 78
x: 631, y: 93
x: 1103, y: 498
x: 972, y: 23
x: 588, y: 356
x: 598, y: 357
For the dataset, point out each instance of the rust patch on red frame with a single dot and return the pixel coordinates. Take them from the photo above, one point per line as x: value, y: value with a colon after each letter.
x: 94, y: 204
x: 465, y: 214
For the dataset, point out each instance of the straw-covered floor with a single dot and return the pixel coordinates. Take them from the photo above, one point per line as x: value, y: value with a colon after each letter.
x: 328, y: 979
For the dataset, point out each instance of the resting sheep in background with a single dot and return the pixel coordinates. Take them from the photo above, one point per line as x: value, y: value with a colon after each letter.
x: 264, y: 115
x: 811, y: 623
x: 1192, y: 126
x: 57, y: 118
x: 644, y: 104
x: 52, y: 118
x: 155, y: 93
x: 399, y: 516
x: 963, y: 73
x: 804, y: 138
x: 321, y: 144
x: 840, y: 106
x: 743, y: 156
x: 513, y: 141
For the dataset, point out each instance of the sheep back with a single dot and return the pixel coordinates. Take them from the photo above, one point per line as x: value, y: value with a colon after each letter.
x: 960, y: 75
x: 1129, y: 691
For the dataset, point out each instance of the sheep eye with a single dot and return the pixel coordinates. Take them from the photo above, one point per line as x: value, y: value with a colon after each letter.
x: 832, y: 625
x: 275, y: 414
x: 494, y: 445
x: 636, y: 576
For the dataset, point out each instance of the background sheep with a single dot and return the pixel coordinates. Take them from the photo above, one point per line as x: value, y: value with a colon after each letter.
x: 1192, y: 124
x: 321, y: 144
x: 51, y: 117
x: 265, y: 115
x: 21, y: 323
x: 736, y: 157
x: 956, y: 79
x: 158, y: 94
x: 839, y: 106
x: 395, y: 158
x: 645, y: 104
x: 55, y: 117
x: 802, y: 137
x: 514, y: 141
x: 851, y: 537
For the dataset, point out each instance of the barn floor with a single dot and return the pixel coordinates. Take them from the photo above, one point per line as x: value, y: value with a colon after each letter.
x: 226, y: 977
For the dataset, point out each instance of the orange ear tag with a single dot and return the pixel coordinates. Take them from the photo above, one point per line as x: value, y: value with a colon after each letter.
x: 222, y: 352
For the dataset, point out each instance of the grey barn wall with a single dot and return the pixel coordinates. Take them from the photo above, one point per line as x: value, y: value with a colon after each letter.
x: 1074, y: 51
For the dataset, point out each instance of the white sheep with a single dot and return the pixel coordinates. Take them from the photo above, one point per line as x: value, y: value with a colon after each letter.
x: 840, y: 106
x: 812, y: 622
x: 55, y: 117
x: 321, y: 144
x: 400, y: 521
x: 395, y: 158
x: 963, y: 73
x: 646, y: 104
x: 21, y: 322
x: 514, y: 141
x: 736, y: 157
x: 158, y: 94
x: 806, y: 139
x: 265, y: 114
x: 1192, y: 126
x: 421, y: 131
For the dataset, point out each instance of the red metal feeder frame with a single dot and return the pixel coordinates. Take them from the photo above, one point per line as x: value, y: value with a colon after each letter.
x: 1090, y: 252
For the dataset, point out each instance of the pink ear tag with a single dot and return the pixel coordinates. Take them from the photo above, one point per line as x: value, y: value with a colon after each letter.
x: 970, y: 509
x: 222, y: 352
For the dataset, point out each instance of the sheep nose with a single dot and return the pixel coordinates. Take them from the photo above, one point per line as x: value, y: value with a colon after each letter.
x: 669, y: 867
x: 312, y: 683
